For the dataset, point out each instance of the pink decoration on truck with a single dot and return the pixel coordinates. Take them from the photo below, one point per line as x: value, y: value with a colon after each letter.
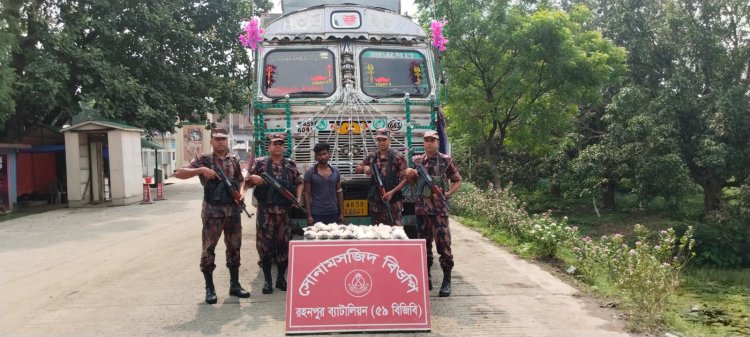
x: 252, y: 35
x: 437, y: 34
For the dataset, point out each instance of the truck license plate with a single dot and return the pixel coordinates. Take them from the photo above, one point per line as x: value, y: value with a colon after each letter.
x: 355, y: 207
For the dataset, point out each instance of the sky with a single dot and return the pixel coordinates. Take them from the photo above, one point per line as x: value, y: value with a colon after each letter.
x: 406, y: 6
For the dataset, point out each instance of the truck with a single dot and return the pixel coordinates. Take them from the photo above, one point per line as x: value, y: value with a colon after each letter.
x: 336, y: 73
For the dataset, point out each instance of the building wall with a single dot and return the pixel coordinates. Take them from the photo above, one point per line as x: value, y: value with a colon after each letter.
x: 125, y: 166
x: 167, y: 156
x: 191, y: 140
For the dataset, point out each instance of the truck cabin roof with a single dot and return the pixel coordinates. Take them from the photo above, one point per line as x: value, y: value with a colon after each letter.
x: 344, y: 21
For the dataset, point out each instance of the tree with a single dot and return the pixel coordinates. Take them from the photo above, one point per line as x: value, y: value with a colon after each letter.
x: 517, y: 77
x: 708, y: 92
x: 7, y: 76
x: 635, y: 152
x: 142, y: 63
x: 692, y: 61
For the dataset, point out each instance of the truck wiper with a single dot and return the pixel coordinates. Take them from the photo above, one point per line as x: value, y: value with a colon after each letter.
x: 395, y: 94
x: 299, y: 93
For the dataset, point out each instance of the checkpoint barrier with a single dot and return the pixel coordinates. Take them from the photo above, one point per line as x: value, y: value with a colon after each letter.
x: 160, y: 191
x: 159, y: 179
x: 146, y: 191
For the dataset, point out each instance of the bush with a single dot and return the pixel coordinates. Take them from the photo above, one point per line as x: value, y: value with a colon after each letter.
x: 502, y: 211
x: 645, y: 274
x: 723, y: 240
x: 546, y: 234
x: 497, y: 207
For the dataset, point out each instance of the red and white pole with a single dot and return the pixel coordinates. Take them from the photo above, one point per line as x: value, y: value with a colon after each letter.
x: 146, y: 191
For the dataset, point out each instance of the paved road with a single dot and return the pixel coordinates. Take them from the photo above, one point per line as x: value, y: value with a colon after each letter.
x: 133, y: 271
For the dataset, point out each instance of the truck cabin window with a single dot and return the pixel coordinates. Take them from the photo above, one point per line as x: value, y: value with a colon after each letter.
x: 391, y: 73
x: 299, y: 73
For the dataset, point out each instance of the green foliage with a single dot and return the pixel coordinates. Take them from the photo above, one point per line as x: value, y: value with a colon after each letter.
x: 7, y: 76
x: 689, y: 58
x: 636, y: 152
x: 142, y: 63
x: 517, y: 76
x: 724, y: 239
x: 711, y: 302
x: 547, y: 235
x: 506, y: 214
x: 645, y: 273
x: 539, y: 234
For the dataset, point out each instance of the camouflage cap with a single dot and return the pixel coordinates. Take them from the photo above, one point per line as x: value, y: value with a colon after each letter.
x: 219, y: 133
x: 278, y: 136
x: 431, y: 134
x: 383, y: 133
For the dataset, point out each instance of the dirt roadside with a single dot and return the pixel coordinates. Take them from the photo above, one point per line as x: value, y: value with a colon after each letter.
x: 133, y: 271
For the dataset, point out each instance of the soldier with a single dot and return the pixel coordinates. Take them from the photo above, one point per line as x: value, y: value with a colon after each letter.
x: 392, y: 167
x: 274, y: 225
x: 432, y: 214
x: 219, y: 212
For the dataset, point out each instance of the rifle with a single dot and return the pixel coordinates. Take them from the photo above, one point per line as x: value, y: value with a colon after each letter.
x: 283, y: 191
x: 233, y: 191
x: 433, y: 187
x: 381, y: 190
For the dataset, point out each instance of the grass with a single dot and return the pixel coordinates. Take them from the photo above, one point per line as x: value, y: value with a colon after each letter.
x: 712, y: 302
x: 496, y: 236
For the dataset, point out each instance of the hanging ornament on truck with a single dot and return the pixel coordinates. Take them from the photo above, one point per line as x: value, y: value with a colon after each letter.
x: 437, y: 34
x: 252, y: 35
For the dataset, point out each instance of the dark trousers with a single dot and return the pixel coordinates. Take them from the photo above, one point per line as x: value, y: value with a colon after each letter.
x: 435, y: 228
x: 212, y: 228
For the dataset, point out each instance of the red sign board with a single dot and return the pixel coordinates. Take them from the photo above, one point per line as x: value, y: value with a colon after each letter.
x: 357, y: 285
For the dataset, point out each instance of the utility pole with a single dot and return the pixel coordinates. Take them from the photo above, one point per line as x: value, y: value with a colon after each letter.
x: 231, y: 132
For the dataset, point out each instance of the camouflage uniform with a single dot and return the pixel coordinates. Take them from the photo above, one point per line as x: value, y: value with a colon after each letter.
x: 274, y: 226
x: 397, y: 171
x: 222, y: 215
x: 432, y: 217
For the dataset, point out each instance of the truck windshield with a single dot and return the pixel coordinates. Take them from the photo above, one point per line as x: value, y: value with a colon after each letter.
x: 391, y: 73
x: 305, y: 73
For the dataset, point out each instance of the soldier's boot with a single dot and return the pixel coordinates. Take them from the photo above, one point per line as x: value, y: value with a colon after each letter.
x: 268, y: 283
x: 235, y: 289
x: 281, y: 280
x: 445, y: 289
x: 210, y: 290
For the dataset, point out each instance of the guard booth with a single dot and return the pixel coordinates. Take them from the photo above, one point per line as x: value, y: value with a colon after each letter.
x: 103, y: 163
